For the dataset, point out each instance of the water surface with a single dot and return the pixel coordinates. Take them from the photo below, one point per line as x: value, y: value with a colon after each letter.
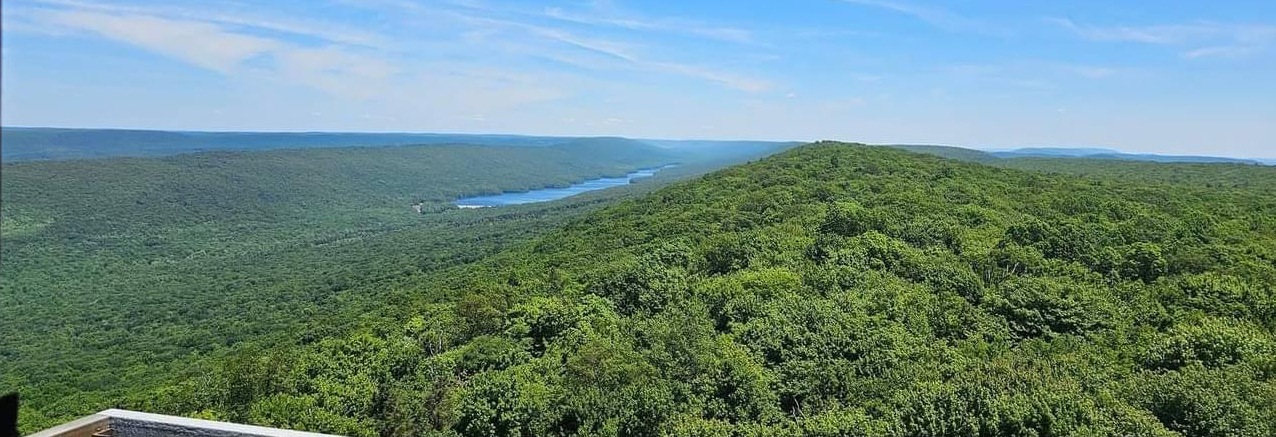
x: 548, y: 194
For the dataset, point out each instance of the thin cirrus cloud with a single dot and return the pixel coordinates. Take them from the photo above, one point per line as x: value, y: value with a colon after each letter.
x: 606, y: 14
x: 500, y: 26
x: 935, y: 16
x: 1090, y: 71
x: 212, y: 13
x: 217, y: 46
x: 1219, y: 52
x: 1202, y: 40
x: 1031, y: 67
x: 224, y: 42
x: 1159, y: 34
x: 202, y: 44
x: 677, y: 26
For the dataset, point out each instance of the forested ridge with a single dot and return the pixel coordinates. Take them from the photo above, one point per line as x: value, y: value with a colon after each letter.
x: 1255, y: 178
x: 115, y: 274
x: 835, y: 289
x: 40, y: 143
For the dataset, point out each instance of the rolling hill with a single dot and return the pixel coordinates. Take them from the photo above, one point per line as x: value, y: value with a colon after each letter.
x: 833, y: 289
x: 118, y: 271
x: 1093, y: 153
x: 38, y: 143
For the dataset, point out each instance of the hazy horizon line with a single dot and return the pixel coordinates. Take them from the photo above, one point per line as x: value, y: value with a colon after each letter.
x: 989, y: 149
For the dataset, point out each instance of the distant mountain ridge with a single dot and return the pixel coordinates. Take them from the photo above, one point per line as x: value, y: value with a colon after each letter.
x: 1064, y: 151
x: 41, y: 143
x: 737, y: 148
x: 1099, y: 153
x: 992, y: 156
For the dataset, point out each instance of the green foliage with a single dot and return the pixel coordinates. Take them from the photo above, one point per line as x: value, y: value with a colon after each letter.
x: 834, y: 289
x: 1212, y: 343
x: 510, y: 403
x: 848, y: 219
x: 120, y: 273
x: 1208, y: 402
x: 1043, y: 306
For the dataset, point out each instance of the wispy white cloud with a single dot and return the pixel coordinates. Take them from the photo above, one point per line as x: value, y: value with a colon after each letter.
x: 358, y: 63
x: 488, y: 65
x: 1197, y: 40
x: 517, y: 33
x: 600, y: 46
x: 972, y: 69
x: 335, y: 70
x: 609, y: 15
x: 840, y: 105
x: 1161, y: 34
x: 1015, y: 79
x: 727, y: 79
x: 210, y: 13
x: 202, y: 44
x: 938, y: 17
x: 1090, y: 71
x: 490, y: 93
x: 1219, y: 51
x: 631, y: 21
x: 237, y: 50
x: 825, y: 34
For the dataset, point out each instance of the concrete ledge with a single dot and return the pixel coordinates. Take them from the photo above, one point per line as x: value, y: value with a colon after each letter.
x: 124, y: 423
x: 83, y: 427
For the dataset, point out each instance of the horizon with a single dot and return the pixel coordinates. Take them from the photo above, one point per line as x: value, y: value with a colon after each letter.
x: 1182, y: 78
x: 1262, y: 159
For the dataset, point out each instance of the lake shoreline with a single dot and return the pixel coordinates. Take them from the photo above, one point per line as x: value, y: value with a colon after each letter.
x: 548, y: 194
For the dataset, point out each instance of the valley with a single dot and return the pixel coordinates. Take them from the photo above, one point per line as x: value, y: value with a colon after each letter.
x: 830, y: 289
x: 119, y: 271
x: 612, y: 218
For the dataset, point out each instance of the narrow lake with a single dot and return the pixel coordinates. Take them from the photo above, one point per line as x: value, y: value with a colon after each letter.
x: 548, y: 194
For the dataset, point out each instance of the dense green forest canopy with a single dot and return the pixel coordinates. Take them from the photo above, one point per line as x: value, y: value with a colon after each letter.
x: 117, y: 271
x: 1223, y: 176
x: 835, y: 289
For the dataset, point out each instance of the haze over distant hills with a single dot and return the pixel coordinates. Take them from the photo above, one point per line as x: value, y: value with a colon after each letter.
x: 40, y: 143
x: 1098, y: 153
x: 1070, y: 152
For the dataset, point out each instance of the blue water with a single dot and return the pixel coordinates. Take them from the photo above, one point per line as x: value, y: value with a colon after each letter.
x: 548, y: 194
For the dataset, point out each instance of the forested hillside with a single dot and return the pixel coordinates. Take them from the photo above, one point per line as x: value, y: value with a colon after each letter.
x: 38, y: 143
x: 835, y: 290
x: 116, y: 272
x: 1117, y: 155
x: 1223, y: 175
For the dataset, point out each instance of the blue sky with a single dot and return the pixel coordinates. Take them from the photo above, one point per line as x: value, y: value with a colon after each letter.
x: 1164, y: 76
